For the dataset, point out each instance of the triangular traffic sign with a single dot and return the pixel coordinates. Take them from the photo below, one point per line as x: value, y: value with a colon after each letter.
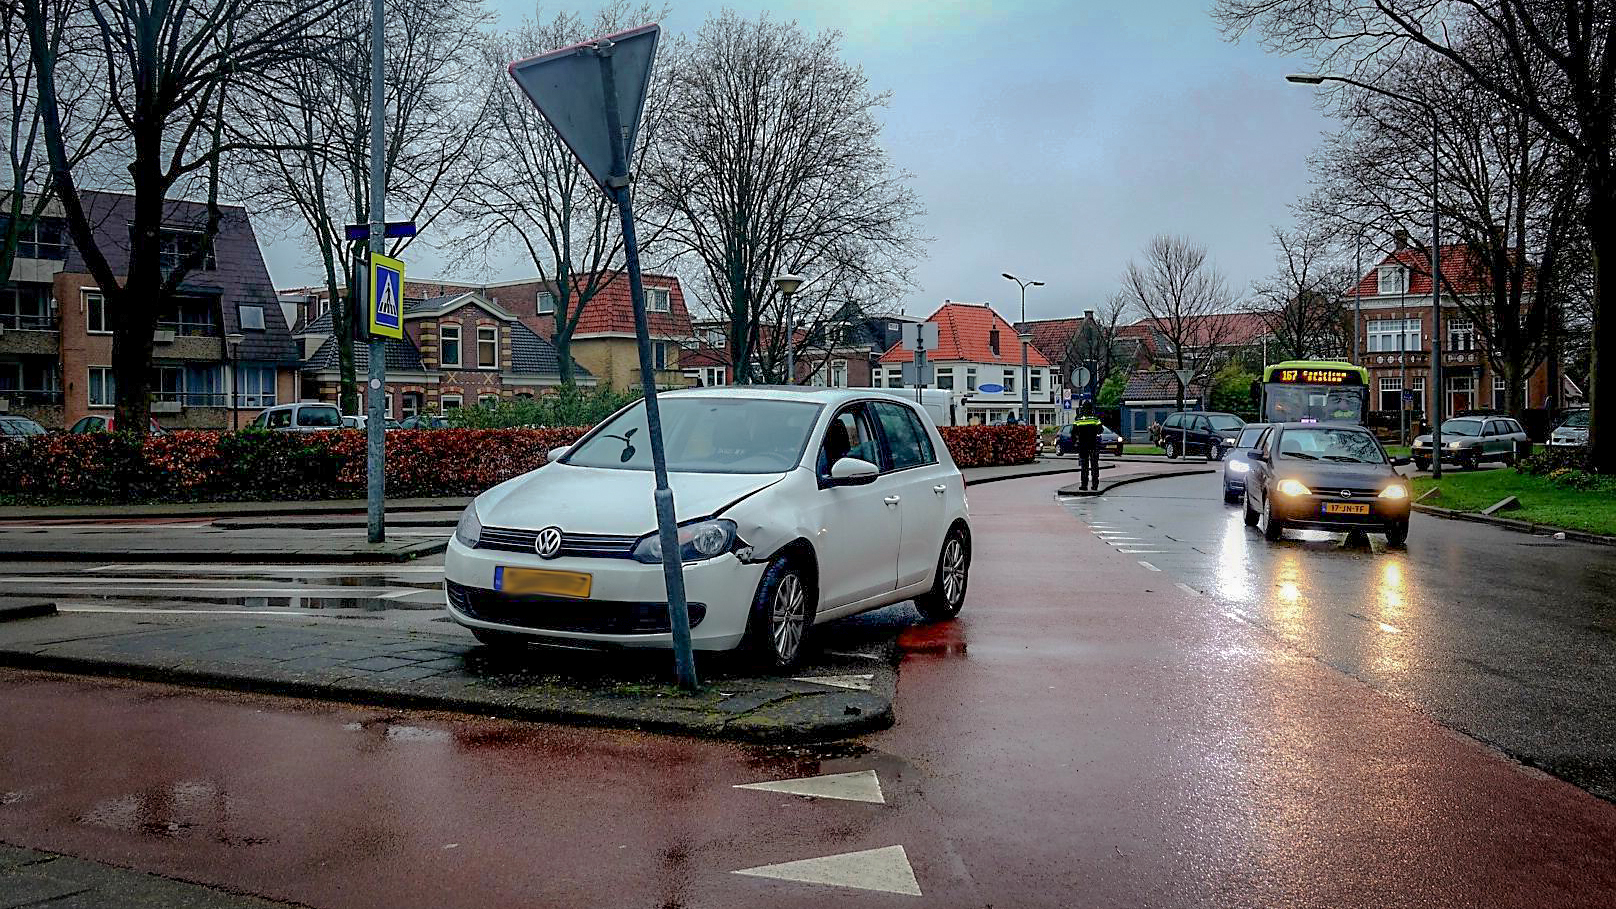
x: 565, y: 85
x: 858, y: 786
x: 886, y: 870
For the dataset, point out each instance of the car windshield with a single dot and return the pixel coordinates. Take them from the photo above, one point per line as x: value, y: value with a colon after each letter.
x: 1226, y: 422
x: 1578, y: 420
x: 1462, y: 428
x: 1348, y: 446
x: 705, y: 435
x: 1249, y: 435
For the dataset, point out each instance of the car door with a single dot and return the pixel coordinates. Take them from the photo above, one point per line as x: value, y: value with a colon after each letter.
x: 921, y: 484
x: 1493, y: 443
x: 1261, y: 468
x: 1200, y: 433
x: 860, y: 527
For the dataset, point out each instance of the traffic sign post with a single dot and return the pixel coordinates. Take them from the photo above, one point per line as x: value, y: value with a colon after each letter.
x: 385, y: 291
x: 919, y: 337
x: 592, y: 94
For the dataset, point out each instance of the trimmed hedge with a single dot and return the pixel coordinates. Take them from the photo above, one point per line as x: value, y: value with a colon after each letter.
x: 256, y: 465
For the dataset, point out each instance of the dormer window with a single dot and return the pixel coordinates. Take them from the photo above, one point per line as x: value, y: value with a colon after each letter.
x: 1393, y: 280
x: 545, y: 305
x: 658, y: 299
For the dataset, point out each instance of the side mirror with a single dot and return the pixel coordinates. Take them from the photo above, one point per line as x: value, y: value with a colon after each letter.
x: 853, y: 472
x: 1257, y: 454
x: 556, y: 453
x: 1401, y: 462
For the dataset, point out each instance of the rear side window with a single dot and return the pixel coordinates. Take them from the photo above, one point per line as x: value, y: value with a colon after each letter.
x: 280, y: 419
x: 1173, y: 420
x: 907, y: 441
x: 319, y: 416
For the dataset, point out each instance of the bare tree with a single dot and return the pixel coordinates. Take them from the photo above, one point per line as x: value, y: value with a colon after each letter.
x: 528, y: 189
x: 1555, y: 63
x: 1301, y: 302
x: 1182, y: 293
x: 315, y: 139
x: 171, y: 74
x: 1096, y: 340
x: 1508, y: 197
x: 771, y: 161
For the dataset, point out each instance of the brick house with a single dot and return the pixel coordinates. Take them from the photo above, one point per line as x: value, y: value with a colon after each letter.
x: 978, y: 349
x: 223, y: 352
x: 841, y: 354
x: 458, y: 350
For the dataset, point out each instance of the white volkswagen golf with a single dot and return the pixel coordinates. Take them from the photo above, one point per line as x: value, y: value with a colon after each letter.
x: 795, y: 507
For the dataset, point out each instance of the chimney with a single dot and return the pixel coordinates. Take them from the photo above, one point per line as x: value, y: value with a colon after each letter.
x: 1088, y: 315
x: 1400, y: 237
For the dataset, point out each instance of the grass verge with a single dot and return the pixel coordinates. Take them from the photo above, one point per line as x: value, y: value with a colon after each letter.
x: 1542, y: 501
x: 1141, y: 450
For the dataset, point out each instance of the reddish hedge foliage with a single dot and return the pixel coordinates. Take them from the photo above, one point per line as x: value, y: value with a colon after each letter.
x: 205, y: 465
x: 991, y: 446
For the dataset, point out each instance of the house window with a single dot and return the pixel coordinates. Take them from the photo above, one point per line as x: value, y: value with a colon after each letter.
x: 95, y: 315
x: 189, y: 385
x: 488, y: 400
x: 40, y: 238
x: 1394, y: 335
x: 191, y: 317
x: 1391, y: 393
x: 1461, y: 393
x: 1009, y: 381
x: 449, y: 402
x: 993, y: 340
x: 1036, y: 381
x: 103, y: 389
x: 659, y: 355
x: 657, y: 299
x: 970, y: 378
x: 1418, y: 403
x: 410, y: 404
x: 449, y: 344
x: 546, y: 303
x: 895, y: 377
x: 26, y: 307
x: 945, y: 378
x: 838, y: 374
x: 257, y: 386
x: 1393, y: 279
x: 876, y: 378
x: 177, y: 245
x: 487, y: 347
x: 251, y: 317
x: 717, y: 338
x: 1461, y: 334
x: 713, y: 375
x: 1500, y: 392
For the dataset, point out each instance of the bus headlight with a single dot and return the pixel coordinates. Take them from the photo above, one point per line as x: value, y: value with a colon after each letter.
x: 1294, y: 488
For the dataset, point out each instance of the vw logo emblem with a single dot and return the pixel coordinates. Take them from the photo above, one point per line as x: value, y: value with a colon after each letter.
x: 548, y: 542
x: 1345, y: 494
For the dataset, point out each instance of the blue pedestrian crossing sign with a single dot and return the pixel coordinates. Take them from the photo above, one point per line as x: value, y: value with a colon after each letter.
x: 386, y: 296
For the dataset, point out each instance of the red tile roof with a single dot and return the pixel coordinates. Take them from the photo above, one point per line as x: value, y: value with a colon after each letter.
x: 610, y: 311
x: 1053, y: 337
x: 1226, y: 329
x: 963, y: 333
x: 1462, y: 270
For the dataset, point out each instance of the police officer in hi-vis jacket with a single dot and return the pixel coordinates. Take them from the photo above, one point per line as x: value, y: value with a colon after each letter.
x: 1086, y: 435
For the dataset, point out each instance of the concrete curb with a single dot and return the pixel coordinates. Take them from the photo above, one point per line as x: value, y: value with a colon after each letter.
x: 1581, y: 536
x: 204, y: 556
x: 12, y: 609
x: 9, y: 513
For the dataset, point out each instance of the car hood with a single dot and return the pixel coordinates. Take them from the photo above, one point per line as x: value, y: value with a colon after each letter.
x: 1446, y: 440
x: 1571, y: 432
x: 599, y: 500
x: 1325, y: 477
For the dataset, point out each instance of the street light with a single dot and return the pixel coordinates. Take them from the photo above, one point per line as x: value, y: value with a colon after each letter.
x: 1026, y: 404
x: 1436, y: 249
x: 787, y: 285
x: 233, y: 342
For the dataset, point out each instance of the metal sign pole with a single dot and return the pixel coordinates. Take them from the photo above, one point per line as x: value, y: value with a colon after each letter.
x: 672, y: 561
x: 375, y: 465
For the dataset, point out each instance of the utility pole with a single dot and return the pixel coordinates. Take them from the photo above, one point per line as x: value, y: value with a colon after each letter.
x: 375, y: 420
x: 1025, y: 336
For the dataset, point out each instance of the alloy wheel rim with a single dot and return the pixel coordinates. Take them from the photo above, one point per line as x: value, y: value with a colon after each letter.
x: 953, y: 571
x: 786, y: 616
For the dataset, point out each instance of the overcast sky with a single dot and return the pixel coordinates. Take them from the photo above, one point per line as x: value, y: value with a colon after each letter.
x: 1048, y: 138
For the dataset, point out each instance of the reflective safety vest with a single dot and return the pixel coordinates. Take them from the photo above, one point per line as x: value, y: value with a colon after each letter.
x: 1086, y: 421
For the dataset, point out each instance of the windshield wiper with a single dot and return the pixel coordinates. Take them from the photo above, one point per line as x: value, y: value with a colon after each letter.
x: 1348, y: 459
x: 1298, y: 454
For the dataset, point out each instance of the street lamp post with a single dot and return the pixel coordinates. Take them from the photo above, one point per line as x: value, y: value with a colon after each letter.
x: 233, y: 341
x: 788, y: 284
x: 1026, y: 402
x: 1436, y: 250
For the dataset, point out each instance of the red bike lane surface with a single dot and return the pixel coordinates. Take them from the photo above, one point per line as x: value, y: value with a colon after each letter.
x: 1084, y: 735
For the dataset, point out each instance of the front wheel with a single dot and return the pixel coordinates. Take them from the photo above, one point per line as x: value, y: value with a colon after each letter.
x: 947, y: 593
x: 1273, y: 527
x: 1172, y: 450
x: 1252, y: 517
x: 1469, y: 461
x: 1397, y: 534
x: 1230, y: 497
x: 782, y: 613
x: 1421, y: 464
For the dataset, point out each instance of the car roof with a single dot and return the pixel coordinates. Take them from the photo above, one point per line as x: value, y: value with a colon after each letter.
x: 811, y: 393
x: 1298, y: 424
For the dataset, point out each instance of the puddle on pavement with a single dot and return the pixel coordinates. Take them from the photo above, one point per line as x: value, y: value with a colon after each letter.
x: 183, y: 809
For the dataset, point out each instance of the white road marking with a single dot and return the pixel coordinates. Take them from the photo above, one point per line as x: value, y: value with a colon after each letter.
x: 273, y: 569
x: 276, y: 613
x: 858, y: 786
x: 886, y: 870
x: 1148, y: 566
x: 1141, y: 551
x: 146, y: 588
x: 860, y: 656
x: 1189, y: 590
x: 1389, y: 629
x: 850, y: 682
x: 1238, y: 616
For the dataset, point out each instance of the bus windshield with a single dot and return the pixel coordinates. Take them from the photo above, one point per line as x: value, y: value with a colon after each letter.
x: 1323, y: 403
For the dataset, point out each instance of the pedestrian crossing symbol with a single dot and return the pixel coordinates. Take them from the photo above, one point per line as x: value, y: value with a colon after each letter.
x: 386, y: 296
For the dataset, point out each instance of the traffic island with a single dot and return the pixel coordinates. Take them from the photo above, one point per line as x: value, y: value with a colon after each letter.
x: 836, y: 699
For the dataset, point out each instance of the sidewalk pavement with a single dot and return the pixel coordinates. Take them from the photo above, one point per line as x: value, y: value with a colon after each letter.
x: 415, y: 670
x: 32, y: 878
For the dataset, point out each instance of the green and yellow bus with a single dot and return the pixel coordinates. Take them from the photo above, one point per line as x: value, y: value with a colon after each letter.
x: 1325, y: 391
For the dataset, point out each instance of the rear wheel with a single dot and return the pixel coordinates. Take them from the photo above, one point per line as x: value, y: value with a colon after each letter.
x: 947, y: 594
x: 782, y: 613
x: 1273, y: 527
x: 1397, y: 534
x: 1172, y: 449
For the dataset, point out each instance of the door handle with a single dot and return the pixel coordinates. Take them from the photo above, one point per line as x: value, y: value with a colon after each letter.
x: 939, y: 489
x: 892, y: 500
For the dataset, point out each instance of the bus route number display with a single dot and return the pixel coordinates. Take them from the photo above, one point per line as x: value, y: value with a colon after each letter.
x: 1315, y: 377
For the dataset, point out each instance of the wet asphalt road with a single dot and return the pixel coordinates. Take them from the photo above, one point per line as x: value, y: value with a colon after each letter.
x: 1508, y: 637
x: 1087, y: 733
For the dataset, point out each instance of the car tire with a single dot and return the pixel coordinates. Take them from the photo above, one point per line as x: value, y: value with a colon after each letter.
x: 947, y: 594
x: 1272, y: 527
x: 1252, y: 517
x: 1469, y: 461
x: 1421, y: 464
x: 1218, y: 453
x: 502, y: 641
x: 1397, y: 534
x: 782, y: 614
x: 1230, y: 497
x: 1172, y: 450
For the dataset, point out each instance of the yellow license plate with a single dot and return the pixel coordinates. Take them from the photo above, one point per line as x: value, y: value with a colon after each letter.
x: 1344, y: 508
x: 543, y: 581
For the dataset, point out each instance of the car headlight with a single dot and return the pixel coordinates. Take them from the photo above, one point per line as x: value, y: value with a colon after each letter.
x: 470, y: 528
x: 1394, y: 491
x: 701, y: 540
x: 1229, y: 442
x: 1456, y: 444
x: 1239, y: 467
x: 1294, y: 488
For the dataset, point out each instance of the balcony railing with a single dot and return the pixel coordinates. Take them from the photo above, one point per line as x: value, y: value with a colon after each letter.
x: 31, y: 397
x: 191, y: 398
x: 190, y: 329
x: 25, y: 322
